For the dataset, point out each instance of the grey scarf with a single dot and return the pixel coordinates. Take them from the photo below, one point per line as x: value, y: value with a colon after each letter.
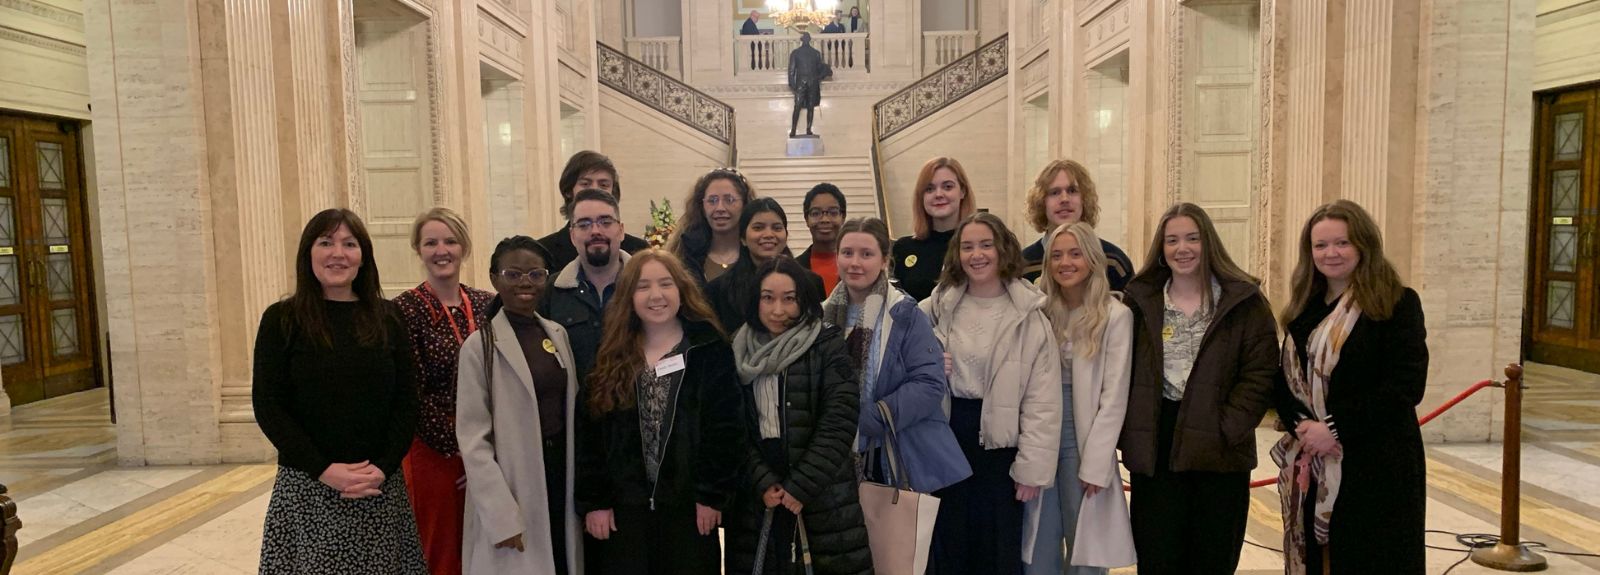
x: 771, y: 358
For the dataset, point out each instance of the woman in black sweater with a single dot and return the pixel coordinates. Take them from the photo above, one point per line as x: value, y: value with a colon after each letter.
x: 1353, y: 480
x: 659, y: 437
x: 335, y: 392
x: 802, y: 401
x: 941, y: 200
x: 763, y: 235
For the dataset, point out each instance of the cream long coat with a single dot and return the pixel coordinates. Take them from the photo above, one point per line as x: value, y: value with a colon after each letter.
x: 1099, y: 404
x: 498, y: 428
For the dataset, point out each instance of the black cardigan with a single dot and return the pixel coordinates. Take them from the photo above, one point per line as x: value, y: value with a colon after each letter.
x: 1372, y: 398
x: 700, y: 460
x: 345, y: 404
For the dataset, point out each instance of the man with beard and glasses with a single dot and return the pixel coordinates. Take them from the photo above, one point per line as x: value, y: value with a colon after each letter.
x: 578, y: 295
x: 585, y: 169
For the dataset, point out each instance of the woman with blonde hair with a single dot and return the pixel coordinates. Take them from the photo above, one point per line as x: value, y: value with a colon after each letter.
x: 661, y: 437
x: 1204, y: 357
x: 940, y: 201
x: 440, y: 313
x: 1064, y: 194
x: 1353, y: 480
x: 1085, y: 509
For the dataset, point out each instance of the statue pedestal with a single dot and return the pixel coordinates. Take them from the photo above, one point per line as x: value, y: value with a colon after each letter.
x: 805, y: 146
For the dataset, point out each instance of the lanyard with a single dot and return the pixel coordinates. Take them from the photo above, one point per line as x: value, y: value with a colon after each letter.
x: 466, y: 306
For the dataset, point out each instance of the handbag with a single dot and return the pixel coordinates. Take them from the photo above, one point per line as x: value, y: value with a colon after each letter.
x: 899, y: 520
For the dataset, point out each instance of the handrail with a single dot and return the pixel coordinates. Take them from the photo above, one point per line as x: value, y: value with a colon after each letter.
x: 669, y: 96
x: 943, y: 87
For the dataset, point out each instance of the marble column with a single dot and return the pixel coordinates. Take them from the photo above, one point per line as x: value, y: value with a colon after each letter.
x: 1379, y: 115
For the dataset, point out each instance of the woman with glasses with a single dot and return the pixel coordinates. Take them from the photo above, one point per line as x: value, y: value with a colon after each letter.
x: 439, y: 314
x: 707, y: 240
x: 517, y: 399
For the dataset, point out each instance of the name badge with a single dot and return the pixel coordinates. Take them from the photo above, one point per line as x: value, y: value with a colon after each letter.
x: 669, y: 365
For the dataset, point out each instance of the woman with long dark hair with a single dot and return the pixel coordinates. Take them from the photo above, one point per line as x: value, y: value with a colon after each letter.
x: 1353, y: 481
x: 707, y: 236
x: 764, y: 235
x: 1204, y: 356
x: 335, y: 391
x: 518, y: 395
x: 800, y: 418
x: 1005, y: 407
x: 439, y: 314
x: 660, y: 439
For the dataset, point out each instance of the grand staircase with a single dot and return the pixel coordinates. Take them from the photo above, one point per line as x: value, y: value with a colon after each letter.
x: 788, y: 179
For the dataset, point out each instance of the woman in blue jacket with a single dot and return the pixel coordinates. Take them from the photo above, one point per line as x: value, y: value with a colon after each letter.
x: 901, y: 363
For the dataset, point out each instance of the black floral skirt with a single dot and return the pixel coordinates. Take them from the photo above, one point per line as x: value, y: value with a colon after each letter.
x: 310, y: 529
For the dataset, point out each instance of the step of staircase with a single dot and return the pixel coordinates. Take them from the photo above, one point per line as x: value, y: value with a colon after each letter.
x: 788, y: 179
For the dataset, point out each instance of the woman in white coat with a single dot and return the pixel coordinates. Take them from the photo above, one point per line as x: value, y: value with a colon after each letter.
x: 515, y: 405
x: 1084, y: 512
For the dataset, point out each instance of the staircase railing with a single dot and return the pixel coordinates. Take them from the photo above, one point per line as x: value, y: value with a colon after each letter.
x: 933, y: 93
x: 669, y: 96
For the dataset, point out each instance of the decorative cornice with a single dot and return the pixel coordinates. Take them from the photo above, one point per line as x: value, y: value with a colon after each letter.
x: 61, y: 16
x: 652, y: 88
x: 943, y: 87
x: 35, y: 40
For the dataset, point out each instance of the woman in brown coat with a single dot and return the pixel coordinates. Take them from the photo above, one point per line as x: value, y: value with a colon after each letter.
x: 1204, y: 358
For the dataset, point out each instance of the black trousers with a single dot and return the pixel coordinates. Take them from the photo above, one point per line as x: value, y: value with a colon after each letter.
x: 1189, y: 522
x: 555, y: 487
x: 979, y: 529
x: 661, y: 542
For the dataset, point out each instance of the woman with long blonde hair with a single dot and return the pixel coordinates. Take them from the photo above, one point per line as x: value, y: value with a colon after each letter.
x: 660, y: 439
x: 1085, y: 509
x: 1353, y: 480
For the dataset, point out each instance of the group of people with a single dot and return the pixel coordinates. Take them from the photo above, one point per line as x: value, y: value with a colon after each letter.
x: 610, y: 406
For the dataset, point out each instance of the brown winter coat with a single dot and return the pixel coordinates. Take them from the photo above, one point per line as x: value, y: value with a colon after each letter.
x: 1228, y: 391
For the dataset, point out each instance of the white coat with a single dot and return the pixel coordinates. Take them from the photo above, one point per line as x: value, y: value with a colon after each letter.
x: 1100, y: 388
x: 498, y: 427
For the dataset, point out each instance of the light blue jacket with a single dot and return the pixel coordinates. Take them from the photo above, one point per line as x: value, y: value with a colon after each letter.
x: 911, y: 380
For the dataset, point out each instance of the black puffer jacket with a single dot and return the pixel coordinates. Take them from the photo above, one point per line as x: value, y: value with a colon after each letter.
x: 705, y: 429
x: 821, y: 401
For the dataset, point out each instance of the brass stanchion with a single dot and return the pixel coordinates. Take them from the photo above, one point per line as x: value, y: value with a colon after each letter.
x: 1510, y: 554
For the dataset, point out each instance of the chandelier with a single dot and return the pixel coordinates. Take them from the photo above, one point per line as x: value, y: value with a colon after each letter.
x: 798, y: 15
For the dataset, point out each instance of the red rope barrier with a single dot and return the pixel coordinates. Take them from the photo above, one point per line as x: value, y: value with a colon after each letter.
x: 1460, y: 397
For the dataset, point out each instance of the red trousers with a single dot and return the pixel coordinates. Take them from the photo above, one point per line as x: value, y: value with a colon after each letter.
x: 438, y: 504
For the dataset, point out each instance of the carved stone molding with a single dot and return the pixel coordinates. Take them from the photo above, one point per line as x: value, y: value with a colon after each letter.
x: 676, y: 99
x: 435, y: 53
x: 940, y: 89
x: 355, y: 181
x: 60, y: 16
x: 498, y: 39
x: 38, y: 41
x: 1265, y: 190
x: 1106, y: 32
x: 1175, y: 30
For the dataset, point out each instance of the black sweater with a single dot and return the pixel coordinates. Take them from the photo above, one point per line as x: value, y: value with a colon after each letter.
x: 918, y: 263
x: 345, y: 404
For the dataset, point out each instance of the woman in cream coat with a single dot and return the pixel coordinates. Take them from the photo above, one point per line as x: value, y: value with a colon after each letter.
x: 1085, y: 509
x: 510, y: 447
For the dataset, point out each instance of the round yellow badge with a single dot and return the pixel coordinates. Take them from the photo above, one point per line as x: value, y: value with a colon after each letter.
x: 1166, y: 333
x: 911, y: 261
x: 549, y: 346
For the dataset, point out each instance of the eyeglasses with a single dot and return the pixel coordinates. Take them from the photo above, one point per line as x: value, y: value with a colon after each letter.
x: 605, y: 223
x: 728, y: 199
x: 514, y: 276
x: 830, y: 213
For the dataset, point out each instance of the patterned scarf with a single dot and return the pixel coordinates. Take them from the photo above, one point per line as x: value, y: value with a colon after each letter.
x: 859, y: 338
x: 1298, y: 469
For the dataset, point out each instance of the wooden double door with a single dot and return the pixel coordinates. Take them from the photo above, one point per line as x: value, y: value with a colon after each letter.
x: 47, y: 323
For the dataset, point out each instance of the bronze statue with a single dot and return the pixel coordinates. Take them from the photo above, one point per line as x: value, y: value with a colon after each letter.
x: 806, y: 72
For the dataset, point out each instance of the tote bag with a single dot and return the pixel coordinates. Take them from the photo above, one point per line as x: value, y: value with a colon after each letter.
x: 899, y: 520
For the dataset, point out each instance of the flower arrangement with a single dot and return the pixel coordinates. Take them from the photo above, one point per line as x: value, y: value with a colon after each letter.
x: 662, y: 224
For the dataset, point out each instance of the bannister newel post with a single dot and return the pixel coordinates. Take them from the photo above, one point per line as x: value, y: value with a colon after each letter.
x: 1510, y: 554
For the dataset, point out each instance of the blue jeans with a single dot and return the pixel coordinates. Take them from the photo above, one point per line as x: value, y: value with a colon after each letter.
x: 1058, y: 518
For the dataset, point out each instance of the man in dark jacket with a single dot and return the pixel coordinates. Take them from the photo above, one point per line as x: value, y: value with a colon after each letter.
x: 579, y: 293
x: 586, y: 169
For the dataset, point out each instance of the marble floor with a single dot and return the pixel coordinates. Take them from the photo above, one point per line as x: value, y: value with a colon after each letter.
x: 83, y: 514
